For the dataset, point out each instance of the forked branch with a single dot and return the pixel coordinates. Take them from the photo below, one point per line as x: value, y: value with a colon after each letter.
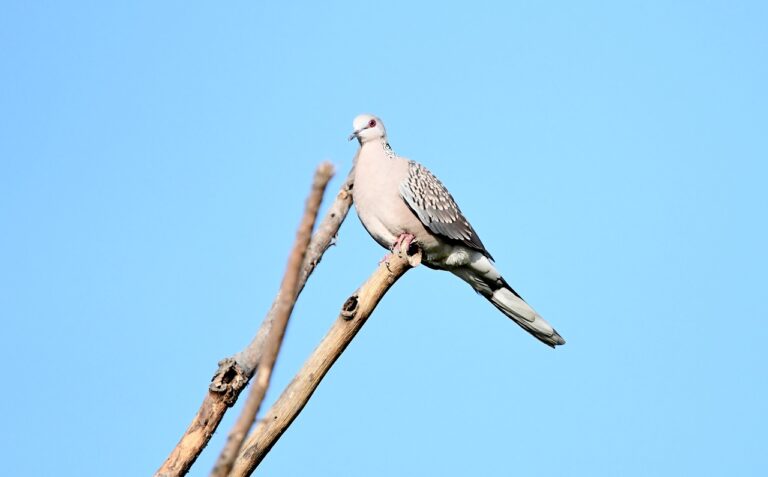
x: 234, y: 373
x: 286, y: 299
x: 354, y: 313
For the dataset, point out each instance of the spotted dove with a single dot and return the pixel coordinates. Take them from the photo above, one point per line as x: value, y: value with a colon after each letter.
x: 400, y: 200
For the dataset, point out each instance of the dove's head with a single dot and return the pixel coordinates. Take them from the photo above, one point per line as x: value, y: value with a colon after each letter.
x: 367, y: 127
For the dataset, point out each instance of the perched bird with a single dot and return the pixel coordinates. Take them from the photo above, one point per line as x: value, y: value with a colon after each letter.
x: 399, y: 202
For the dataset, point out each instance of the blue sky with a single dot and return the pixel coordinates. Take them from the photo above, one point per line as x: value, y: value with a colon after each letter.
x: 155, y: 157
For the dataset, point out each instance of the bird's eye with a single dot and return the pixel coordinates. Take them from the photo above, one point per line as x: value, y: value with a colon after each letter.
x: 372, y: 123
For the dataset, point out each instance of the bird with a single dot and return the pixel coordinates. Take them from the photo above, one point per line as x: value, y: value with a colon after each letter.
x: 401, y: 202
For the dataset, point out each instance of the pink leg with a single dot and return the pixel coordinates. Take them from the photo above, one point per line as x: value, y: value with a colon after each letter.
x: 403, y: 242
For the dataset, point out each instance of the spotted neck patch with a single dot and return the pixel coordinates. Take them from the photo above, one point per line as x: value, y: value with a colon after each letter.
x: 388, y: 149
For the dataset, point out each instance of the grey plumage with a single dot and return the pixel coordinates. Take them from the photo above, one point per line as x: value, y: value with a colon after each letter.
x: 436, y: 208
x: 396, y: 197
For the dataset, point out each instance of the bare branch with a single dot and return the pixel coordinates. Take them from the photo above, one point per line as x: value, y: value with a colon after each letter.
x: 234, y: 373
x: 283, y: 309
x: 353, y: 316
x: 324, y: 237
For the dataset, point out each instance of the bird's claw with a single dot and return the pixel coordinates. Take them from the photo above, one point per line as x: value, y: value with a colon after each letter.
x: 403, y: 243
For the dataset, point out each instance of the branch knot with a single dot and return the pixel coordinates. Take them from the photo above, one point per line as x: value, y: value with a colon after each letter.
x: 228, y: 380
x: 349, y: 308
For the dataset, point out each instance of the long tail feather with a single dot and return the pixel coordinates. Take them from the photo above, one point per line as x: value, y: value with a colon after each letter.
x: 482, y: 275
x: 510, y: 303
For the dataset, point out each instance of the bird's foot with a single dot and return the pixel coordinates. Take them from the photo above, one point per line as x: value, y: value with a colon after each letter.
x: 403, y: 243
x: 405, y: 247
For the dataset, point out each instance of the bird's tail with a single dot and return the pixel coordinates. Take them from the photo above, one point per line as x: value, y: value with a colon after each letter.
x: 511, y: 304
x: 486, y: 280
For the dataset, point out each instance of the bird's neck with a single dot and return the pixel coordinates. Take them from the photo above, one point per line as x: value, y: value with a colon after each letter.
x: 380, y: 144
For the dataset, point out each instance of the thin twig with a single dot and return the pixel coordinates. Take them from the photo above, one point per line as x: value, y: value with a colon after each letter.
x: 285, y: 303
x: 234, y: 373
x: 324, y: 237
x: 353, y: 316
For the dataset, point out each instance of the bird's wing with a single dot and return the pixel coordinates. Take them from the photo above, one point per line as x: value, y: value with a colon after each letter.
x: 435, y: 207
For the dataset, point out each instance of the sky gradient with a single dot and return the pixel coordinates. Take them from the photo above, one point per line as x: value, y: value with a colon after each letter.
x: 155, y: 158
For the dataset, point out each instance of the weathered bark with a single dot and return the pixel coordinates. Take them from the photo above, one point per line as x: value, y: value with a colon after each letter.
x: 324, y: 237
x: 234, y: 373
x: 352, y: 317
x: 283, y: 309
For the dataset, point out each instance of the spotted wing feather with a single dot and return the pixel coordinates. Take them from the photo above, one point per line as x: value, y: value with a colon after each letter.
x: 435, y: 207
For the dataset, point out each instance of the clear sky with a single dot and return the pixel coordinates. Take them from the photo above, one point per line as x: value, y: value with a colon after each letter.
x: 154, y: 161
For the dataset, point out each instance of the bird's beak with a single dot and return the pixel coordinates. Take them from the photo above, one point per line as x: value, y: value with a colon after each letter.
x: 355, y: 134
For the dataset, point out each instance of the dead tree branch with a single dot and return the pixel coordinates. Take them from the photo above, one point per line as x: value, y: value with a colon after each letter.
x: 324, y: 237
x: 353, y: 316
x: 234, y: 373
x: 286, y: 299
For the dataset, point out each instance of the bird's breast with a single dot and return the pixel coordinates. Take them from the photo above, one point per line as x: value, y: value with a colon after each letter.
x: 377, y: 198
x: 381, y: 208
